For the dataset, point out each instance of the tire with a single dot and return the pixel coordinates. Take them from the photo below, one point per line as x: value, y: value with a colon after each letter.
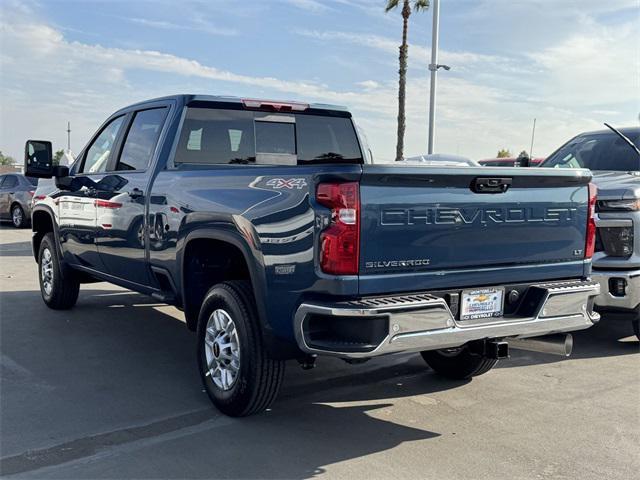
x: 244, y: 380
x: 636, y: 328
x: 458, y: 364
x: 18, y: 218
x: 135, y: 235
x: 57, y: 292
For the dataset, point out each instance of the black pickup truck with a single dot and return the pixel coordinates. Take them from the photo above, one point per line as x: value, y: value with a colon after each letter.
x: 268, y: 226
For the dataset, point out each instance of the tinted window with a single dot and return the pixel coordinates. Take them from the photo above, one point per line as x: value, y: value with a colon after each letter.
x: 602, y: 151
x: 141, y: 139
x: 99, y: 151
x: 32, y: 180
x: 10, y: 182
x: 275, y: 137
x: 214, y: 136
x: 326, y: 140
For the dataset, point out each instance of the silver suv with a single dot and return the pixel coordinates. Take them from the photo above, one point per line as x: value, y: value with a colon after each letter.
x: 16, y: 194
x: 614, y: 157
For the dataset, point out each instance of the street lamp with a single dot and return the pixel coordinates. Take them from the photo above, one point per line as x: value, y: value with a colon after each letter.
x: 434, y: 66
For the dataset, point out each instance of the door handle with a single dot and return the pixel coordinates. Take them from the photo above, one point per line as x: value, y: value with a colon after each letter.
x: 136, y: 193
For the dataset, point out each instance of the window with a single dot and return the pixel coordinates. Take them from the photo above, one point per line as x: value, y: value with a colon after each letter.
x: 599, y: 151
x: 217, y: 136
x: 275, y: 137
x: 324, y: 139
x: 212, y: 136
x: 10, y: 181
x: 32, y: 180
x: 142, y: 139
x: 98, y: 154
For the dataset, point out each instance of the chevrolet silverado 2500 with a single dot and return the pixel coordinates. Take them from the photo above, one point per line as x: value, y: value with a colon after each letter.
x: 615, y: 163
x: 268, y: 226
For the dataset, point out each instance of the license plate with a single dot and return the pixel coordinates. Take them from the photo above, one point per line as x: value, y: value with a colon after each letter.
x: 481, y: 303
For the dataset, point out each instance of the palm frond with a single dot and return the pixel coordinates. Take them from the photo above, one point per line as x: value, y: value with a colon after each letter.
x: 420, y: 5
x: 391, y: 4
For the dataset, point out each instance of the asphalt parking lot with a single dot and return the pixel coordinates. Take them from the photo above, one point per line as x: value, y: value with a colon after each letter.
x: 110, y: 390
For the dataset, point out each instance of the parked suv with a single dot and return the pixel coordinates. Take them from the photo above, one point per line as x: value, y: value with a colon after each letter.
x: 16, y: 193
x: 268, y: 225
x: 614, y: 159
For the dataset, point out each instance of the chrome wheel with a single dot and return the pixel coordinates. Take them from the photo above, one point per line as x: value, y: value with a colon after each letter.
x: 46, y: 271
x: 222, y: 350
x: 16, y: 216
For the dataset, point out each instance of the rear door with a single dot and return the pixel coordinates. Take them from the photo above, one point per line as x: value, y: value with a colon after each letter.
x: 122, y: 197
x: 439, y: 222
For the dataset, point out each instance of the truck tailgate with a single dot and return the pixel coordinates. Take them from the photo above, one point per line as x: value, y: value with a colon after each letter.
x: 437, y: 220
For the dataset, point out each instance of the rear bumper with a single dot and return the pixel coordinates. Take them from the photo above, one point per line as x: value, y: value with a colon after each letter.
x: 629, y: 301
x: 417, y: 322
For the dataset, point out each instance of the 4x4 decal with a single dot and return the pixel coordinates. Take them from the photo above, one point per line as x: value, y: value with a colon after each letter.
x: 289, y: 183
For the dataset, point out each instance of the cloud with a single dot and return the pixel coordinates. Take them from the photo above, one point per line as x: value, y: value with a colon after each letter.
x: 309, y: 5
x: 418, y: 54
x: 199, y: 25
x: 369, y: 84
x: 486, y: 102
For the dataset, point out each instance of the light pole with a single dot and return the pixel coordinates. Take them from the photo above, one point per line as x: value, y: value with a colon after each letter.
x: 433, y: 68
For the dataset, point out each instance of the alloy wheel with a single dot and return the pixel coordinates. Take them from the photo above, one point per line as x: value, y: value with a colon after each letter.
x: 46, y: 271
x: 16, y: 216
x: 222, y: 350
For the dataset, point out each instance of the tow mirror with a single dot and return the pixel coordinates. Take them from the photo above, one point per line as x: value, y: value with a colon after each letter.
x: 38, y: 159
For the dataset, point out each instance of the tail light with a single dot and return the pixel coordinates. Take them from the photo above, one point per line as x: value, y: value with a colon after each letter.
x: 340, y: 241
x: 590, y: 244
x: 107, y: 204
x: 32, y: 192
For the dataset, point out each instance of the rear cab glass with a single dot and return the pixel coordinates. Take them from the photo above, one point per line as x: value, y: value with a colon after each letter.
x: 213, y: 135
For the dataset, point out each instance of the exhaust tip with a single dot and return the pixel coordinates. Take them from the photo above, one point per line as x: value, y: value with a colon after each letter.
x: 558, y: 344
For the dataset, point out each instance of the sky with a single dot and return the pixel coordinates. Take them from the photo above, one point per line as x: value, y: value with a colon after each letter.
x: 571, y: 64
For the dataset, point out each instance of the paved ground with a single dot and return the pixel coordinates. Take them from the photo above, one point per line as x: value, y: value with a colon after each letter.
x: 110, y: 390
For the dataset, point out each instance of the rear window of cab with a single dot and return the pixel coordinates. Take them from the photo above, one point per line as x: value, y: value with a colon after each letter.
x: 221, y: 136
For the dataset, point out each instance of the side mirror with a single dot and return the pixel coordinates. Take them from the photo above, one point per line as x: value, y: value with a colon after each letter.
x: 38, y: 159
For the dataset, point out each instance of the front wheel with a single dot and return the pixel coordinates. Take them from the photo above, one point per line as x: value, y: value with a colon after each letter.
x: 58, y: 292
x: 17, y: 217
x: 458, y: 363
x: 236, y: 370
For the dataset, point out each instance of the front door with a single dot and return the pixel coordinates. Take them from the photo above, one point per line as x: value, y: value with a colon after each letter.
x: 122, y: 199
x: 77, y: 202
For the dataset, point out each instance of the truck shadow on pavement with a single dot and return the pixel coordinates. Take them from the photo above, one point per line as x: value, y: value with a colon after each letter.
x: 115, y: 377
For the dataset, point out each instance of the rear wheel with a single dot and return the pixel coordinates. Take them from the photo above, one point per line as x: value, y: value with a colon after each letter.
x: 238, y: 374
x: 58, y: 292
x: 17, y: 216
x: 458, y: 363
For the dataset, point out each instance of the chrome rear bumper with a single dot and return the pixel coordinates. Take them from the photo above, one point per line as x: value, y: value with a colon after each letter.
x: 420, y: 322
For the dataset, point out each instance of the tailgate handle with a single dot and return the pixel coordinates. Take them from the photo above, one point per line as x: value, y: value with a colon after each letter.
x: 490, y: 184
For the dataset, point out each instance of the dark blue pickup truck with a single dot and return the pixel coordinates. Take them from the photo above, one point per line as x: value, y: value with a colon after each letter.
x: 267, y: 224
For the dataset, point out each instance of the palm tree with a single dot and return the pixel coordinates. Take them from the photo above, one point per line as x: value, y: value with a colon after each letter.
x: 404, y: 53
